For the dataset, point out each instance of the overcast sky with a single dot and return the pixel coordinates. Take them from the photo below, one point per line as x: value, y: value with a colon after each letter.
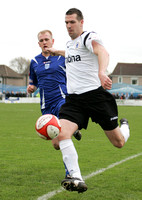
x: 119, y: 22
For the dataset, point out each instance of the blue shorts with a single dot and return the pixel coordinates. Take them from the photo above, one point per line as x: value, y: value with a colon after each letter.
x: 53, y: 109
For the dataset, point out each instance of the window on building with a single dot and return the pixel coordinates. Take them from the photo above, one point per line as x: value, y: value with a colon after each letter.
x: 120, y: 79
x: 0, y: 80
x: 134, y: 81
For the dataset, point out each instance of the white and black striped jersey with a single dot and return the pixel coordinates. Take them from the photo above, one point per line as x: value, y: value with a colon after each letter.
x: 82, y: 64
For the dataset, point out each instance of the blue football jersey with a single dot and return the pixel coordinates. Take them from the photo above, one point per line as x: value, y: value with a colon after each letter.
x: 48, y: 74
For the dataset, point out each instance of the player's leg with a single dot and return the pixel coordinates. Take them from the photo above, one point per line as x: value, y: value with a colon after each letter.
x: 77, y: 134
x: 107, y: 117
x: 55, y: 143
x: 119, y: 136
x: 70, y: 157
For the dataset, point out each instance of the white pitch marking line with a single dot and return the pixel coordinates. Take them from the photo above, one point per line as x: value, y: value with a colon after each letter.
x: 53, y: 193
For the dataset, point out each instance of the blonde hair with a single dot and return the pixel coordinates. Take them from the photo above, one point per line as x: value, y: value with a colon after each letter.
x: 43, y: 32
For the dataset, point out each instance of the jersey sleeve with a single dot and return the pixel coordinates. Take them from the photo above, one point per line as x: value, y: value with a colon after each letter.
x: 92, y: 36
x: 62, y: 63
x: 32, y: 75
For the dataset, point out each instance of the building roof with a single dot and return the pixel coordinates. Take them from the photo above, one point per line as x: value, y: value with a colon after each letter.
x: 5, y: 71
x: 134, y: 69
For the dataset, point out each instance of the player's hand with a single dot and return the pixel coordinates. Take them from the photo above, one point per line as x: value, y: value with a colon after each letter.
x: 31, y: 88
x: 106, y: 82
x: 52, y: 51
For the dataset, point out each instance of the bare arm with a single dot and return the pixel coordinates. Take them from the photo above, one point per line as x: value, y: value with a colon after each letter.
x: 103, y: 59
x: 56, y: 52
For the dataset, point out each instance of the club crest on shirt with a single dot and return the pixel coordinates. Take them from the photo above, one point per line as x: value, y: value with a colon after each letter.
x: 77, y: 45
x: 47, y: 64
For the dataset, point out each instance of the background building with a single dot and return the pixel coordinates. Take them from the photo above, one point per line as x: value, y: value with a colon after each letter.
x: 128, y: 73
x: 12, y: 81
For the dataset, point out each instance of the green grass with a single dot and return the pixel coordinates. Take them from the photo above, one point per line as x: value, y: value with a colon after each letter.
x: 30, y: 167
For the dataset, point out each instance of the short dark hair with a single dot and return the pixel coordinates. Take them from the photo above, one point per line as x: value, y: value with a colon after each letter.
x: 75, y: 11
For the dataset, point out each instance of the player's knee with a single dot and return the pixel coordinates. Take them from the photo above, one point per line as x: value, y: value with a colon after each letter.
x: 119, y: 144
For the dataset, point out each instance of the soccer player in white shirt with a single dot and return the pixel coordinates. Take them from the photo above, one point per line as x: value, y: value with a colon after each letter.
x: 86, y: 64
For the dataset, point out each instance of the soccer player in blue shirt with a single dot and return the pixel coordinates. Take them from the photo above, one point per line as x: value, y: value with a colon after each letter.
x: 47, y: 72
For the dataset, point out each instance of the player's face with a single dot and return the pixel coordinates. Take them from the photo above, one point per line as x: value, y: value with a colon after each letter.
x: 73, y: 25
x: 45, y: 41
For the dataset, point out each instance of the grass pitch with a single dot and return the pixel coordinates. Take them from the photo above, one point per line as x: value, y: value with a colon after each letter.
x: 30, y: 167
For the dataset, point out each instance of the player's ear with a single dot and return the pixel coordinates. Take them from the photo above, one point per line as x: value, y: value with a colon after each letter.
x: 82, y: 22
x: 52, y: 41
x: 39, y: 44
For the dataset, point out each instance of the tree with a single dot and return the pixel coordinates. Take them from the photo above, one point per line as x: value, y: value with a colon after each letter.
x: 19, y: 64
